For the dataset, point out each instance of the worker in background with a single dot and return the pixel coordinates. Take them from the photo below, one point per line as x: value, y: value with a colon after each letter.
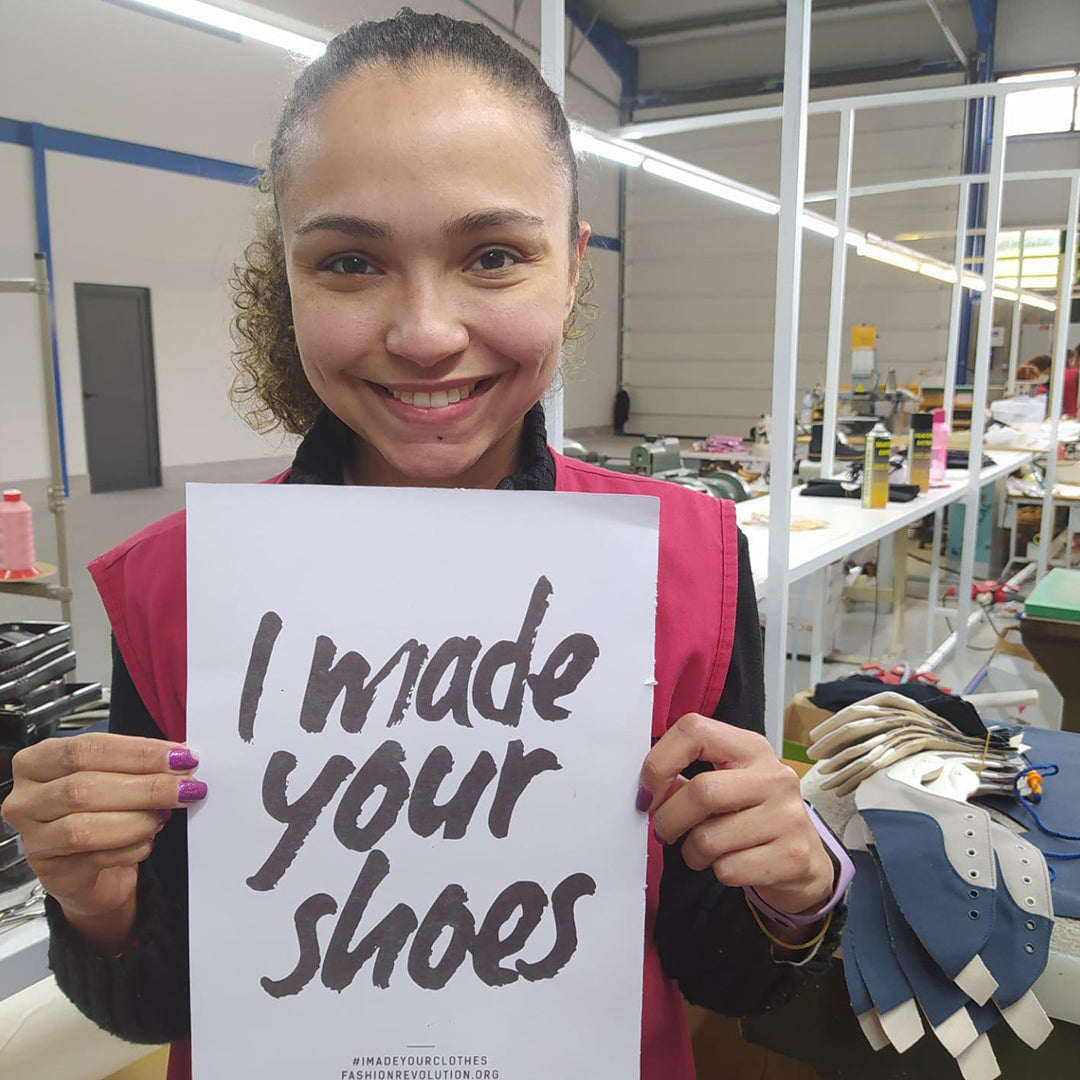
x: 1037, y: 370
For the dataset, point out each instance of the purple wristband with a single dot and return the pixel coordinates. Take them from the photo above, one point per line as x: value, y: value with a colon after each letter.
x: 845, y: 871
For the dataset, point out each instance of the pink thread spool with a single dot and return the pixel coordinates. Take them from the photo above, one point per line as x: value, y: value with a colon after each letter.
x: 16, y: 537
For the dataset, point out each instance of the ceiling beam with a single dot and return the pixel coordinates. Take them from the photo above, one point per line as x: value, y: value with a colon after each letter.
x: 756, y: 20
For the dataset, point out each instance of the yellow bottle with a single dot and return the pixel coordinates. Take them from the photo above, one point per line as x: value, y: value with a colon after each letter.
x: 875, y: 480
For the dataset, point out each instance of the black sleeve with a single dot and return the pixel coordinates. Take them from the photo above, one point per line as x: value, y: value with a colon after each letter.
x: 142, y: 994
x: 706, y: 936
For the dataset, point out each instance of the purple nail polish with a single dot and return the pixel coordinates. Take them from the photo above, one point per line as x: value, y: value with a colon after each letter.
x: 644, y: 799
x: 191, y: 791
x: 182, y: 759
x: 163, y: 816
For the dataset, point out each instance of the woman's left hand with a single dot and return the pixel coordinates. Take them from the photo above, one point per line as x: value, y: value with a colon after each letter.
x: 744, y: 818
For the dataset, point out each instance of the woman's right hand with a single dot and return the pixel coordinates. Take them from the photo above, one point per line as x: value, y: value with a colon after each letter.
x: 88, y: 808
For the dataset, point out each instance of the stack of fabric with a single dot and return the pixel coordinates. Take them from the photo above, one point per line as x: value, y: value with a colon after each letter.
x: 950, y: 912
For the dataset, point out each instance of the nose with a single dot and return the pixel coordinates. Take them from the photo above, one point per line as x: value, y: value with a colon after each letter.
x: 425, y: 327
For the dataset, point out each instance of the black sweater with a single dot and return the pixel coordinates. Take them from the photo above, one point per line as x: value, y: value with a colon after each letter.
x: 704, y: 932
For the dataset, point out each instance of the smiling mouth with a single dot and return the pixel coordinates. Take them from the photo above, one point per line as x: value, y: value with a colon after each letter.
x: 435, y: 399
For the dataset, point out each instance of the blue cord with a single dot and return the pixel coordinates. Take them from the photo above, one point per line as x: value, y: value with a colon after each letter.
x: 1049, y: 769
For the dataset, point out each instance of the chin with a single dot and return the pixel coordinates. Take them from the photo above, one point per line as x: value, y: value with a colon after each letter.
x: 433, y: 463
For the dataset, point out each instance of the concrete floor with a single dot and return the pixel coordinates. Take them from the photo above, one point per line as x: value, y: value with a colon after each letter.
x: 98, y: 522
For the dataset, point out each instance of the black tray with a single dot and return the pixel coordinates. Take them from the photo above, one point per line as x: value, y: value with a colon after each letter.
x: 33, y: 638
x: 10, y: 851
x: 16, y: 875
x: 23, y: 727
x: 17, y: 682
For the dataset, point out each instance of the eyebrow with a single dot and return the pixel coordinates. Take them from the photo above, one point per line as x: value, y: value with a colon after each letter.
x: 499, y: 217
x: 345, y: 223
x: 369, y: 229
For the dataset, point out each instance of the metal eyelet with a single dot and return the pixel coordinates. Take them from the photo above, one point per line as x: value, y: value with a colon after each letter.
x: 1026, y: 880
x: 1030, y: 924
x: 1030, y: 901
x: 974, y: 894
x: 972, y: 852
x: 973, y: 914
x: 973, y: 873
x: 1029, y: 948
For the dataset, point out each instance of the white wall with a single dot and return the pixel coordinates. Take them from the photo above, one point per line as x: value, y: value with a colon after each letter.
x: 700, y: 278
x: 119, y: 73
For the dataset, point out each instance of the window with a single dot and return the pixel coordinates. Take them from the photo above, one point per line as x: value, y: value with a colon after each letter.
x: 1037, y: 112
x: 1028, y: 258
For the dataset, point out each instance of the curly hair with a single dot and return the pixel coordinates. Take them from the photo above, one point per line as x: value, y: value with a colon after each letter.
x: 270, y: 389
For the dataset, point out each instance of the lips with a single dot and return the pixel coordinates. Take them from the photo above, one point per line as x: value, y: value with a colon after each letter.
x: 438, y: 405
x: 435, y: 399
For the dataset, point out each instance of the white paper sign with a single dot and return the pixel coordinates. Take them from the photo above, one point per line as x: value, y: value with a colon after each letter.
x: 421, y: 716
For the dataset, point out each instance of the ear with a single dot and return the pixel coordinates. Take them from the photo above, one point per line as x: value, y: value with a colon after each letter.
x: 584, y: 232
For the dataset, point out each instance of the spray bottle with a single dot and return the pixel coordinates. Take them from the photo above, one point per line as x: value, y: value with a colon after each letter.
x: 875, y: 480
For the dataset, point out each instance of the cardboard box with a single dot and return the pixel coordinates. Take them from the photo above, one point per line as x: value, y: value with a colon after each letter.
x: 800, y: 716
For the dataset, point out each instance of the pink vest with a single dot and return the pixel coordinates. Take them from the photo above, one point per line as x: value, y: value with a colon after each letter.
x: 143, y: 587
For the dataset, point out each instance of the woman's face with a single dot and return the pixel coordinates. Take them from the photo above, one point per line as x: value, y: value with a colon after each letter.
x: 427, y: 242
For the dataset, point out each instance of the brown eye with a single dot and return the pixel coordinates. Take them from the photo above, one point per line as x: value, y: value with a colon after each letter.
x: 496, y: 259
x: 350, y: 264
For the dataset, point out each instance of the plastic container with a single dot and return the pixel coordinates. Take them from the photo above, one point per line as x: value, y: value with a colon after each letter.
x: 17, y: 559
x: 920, y: 450
x: 939, y: 447
x: 875, y: 479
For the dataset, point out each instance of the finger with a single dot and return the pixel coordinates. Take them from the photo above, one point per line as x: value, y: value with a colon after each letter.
x: 80, y: 875
x: 93, y: 792
x: 694, y: 737
x: 100, y: 752
x: 80, y: 833
x: 91, y: 863
x: 706, y: 795
x: 740, y: 831
x: 784, y: 860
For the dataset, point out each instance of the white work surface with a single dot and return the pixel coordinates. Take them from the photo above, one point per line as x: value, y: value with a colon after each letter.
x: 24, y: 952
x: 849, y: 526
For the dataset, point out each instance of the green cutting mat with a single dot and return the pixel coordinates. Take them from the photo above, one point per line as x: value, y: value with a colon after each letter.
x: 1057, y: 596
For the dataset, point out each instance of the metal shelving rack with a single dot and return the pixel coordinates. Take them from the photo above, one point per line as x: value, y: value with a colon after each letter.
x: 49, y: 590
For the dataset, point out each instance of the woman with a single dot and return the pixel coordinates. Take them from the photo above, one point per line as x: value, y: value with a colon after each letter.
x: 404, y: 309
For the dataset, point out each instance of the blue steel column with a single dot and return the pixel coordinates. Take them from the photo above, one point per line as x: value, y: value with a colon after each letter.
x: 44, y: 245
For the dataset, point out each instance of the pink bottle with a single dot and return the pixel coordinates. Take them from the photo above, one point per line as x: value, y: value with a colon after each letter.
x: 16, y: 538
x: 939, y: 448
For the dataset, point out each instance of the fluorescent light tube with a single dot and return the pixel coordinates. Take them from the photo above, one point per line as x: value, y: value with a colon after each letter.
x: 711, y: 187
x: 887, y: 255
x: 854, y: 239
x: 1005, y: 294
x: 244, y: 25
x: 941, y: 273
x: 584, y: 143
x: 970, y: 281
x: 820, y: 226
x: 1038, y: 302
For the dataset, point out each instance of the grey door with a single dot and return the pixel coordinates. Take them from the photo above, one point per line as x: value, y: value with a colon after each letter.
x: 116, y: 355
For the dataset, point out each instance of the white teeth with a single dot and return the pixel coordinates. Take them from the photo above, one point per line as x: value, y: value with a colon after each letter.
x: 438, y: 399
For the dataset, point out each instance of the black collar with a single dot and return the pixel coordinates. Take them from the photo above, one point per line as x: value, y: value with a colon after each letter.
x: 319, y: 458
